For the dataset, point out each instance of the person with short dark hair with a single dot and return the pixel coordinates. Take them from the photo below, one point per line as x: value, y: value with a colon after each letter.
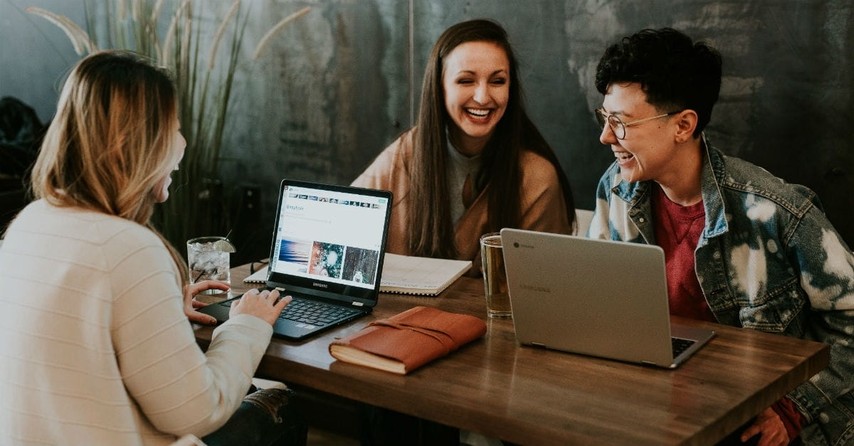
x: 743, y: 248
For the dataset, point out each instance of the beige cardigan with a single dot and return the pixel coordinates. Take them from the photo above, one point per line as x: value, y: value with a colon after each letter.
x: 96, y: 348
x: 543, y: 207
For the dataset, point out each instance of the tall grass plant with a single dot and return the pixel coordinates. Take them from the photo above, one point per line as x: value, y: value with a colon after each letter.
x: 203, y: 56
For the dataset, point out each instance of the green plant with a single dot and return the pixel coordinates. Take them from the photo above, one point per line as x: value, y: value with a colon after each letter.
x: 205, y: 86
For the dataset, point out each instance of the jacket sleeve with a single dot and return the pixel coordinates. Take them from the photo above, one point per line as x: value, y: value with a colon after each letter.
x: 826, y: 267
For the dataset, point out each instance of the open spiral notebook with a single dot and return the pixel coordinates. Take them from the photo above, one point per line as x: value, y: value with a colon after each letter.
x: 422, y: 276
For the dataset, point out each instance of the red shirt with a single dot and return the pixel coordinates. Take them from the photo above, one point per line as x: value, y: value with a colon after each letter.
x: 677, y: 231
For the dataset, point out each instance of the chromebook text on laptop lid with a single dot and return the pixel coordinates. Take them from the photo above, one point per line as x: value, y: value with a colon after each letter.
x: 594, y: 297
x: 328, y: 245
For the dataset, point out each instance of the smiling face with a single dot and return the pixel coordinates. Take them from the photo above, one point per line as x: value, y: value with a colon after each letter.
x: 648, y: 151
x: 476, y: 82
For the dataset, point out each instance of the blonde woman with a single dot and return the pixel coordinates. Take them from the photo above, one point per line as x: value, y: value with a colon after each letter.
x: 97, y: 347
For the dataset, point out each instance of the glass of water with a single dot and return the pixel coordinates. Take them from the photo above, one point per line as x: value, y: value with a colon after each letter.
x: 494, y: 276
x: 209, y: 259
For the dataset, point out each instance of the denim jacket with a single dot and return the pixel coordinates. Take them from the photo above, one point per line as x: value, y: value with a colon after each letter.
x: 768, y: 259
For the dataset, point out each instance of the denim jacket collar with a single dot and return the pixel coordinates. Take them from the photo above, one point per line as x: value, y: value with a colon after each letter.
x: 713, y: 169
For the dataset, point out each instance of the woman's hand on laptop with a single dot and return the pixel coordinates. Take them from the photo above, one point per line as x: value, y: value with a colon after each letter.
x: 264, y: 304
x: 190, y: 303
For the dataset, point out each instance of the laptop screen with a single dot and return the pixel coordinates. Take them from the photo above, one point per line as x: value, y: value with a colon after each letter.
x: 330, y: 239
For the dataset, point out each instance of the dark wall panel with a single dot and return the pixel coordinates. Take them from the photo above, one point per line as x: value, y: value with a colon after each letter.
x: 340, y: 84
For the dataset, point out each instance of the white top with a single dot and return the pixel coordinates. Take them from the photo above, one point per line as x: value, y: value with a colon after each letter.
x: 95, y: 347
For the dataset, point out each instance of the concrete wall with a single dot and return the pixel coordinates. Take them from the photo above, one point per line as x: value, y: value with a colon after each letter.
x: 338, y: 85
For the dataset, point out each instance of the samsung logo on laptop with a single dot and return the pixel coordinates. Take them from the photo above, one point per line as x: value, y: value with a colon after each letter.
x: 320, y: 285
x: 541, y: 289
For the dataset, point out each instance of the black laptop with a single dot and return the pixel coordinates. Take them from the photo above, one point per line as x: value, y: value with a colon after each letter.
x: 327, y: 252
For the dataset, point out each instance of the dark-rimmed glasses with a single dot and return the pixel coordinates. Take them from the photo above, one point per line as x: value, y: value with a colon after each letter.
x: 617, y: 125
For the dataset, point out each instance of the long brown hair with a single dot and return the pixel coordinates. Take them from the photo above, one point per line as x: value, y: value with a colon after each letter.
x: 430, y: 213
x: 110, y: 142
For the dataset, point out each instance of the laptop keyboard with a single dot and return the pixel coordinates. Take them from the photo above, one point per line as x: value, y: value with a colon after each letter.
x: 315, y: 313
x: 680, y: 345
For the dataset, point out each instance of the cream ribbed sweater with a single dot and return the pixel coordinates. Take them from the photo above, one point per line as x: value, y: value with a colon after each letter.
x: 94, y: 345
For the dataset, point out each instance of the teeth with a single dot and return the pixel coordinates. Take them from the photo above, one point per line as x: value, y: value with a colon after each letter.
x: 477, y: 112
x: 623, y: 155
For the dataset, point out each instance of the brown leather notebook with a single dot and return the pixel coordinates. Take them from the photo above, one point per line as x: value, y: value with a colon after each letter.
x: 407, y: 341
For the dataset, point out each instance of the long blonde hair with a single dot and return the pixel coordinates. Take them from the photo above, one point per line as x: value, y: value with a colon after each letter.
x: 110, y: 143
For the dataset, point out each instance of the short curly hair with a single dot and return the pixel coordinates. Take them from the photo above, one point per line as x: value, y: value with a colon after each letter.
x: 675, y: 72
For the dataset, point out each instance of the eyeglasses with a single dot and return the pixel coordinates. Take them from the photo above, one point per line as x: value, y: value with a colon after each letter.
x: 618, y: 126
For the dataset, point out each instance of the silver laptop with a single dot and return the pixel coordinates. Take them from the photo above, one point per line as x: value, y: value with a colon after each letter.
x: 594, y: 297
x: 327, y: 252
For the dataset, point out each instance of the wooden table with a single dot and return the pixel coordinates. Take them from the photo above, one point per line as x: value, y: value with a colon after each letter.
x: 533, y: 396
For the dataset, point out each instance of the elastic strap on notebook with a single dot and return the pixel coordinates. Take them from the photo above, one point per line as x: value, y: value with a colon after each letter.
x: 440, y: 336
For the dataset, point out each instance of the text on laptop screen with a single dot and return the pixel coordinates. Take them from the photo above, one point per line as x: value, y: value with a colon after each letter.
x: 329, y: 235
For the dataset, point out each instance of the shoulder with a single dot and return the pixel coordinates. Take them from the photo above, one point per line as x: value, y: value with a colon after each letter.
x: 402, y: 146
x: 108, y: 238
x: 543, y: 204
x: 539, y: 176
x: 389, y: 163
x: 536, y: 167
x: 115, y: 236
x: 400, y: 151
x: 101, y: 247
x: 739, y: 171
x: 531, y: 158
x: 743, y: 177
x: 83, y: 226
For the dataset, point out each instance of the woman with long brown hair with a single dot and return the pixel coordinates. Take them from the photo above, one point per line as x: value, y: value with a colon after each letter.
x: 474, y: 162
